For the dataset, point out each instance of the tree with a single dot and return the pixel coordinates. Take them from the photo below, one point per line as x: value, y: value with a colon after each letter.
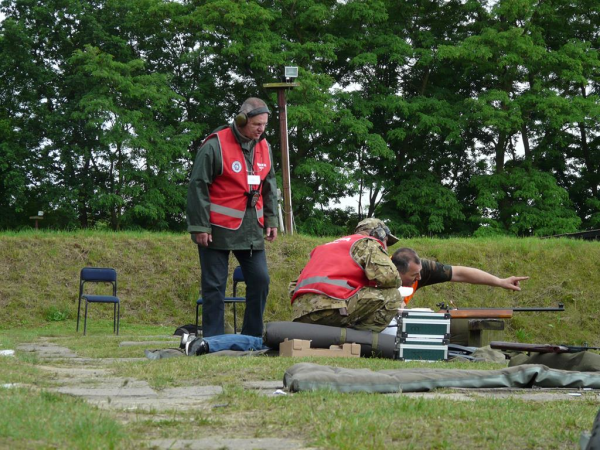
x: 534, y: 205
x: 421, y: 106
x: 135, y: 160
x: 105, y: 143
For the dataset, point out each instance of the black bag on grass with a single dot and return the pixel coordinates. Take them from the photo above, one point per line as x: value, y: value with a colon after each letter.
x: 189, y: 329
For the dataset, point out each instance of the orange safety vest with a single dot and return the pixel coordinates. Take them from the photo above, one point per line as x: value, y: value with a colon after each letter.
x: 414, y: 286
x: 332, y: 271
x: 227, y: 192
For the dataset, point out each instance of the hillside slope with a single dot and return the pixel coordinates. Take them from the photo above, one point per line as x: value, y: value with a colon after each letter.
x: 158, y: 278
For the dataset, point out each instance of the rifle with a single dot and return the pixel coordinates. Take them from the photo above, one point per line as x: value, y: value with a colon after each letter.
x: 490, y: 313
x: 539, y: 348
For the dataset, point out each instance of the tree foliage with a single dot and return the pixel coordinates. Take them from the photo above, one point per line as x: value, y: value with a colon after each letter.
x: 445, y: 117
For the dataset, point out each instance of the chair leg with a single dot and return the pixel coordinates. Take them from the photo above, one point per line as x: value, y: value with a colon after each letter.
x: 115, y: 318
x: 118, y: 317
x: 78, y: 309
x: 85, y: 318
x: 234, y: 320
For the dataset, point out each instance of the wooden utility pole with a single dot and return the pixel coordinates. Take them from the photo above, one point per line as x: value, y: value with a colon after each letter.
x: 37, y: 218
x: 285, y: 156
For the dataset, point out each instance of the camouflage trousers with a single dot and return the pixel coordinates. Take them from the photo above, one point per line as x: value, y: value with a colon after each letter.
x: 369, y: 309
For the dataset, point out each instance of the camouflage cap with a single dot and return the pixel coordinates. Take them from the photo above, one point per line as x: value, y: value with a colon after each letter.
x: 371, y: 224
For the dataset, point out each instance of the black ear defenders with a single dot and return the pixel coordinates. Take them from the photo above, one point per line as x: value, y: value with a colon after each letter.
x: 242, y: 118
x: 379, y: 233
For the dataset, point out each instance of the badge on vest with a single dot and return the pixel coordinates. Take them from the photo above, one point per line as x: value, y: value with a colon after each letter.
x: 253, y: 180
x: 236, y: 166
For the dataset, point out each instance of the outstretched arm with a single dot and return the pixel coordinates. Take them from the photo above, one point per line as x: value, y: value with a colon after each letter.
x: 471, y: 275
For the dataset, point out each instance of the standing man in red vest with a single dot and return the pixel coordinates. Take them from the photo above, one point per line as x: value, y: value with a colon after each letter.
x: 350, y: 282
x: 232, y: 207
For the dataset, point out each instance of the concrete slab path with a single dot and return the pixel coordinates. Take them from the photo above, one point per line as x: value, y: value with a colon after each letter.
x: 88, y: 378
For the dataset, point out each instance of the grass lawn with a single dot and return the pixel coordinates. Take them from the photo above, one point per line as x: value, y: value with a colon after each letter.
x: 33, y: 415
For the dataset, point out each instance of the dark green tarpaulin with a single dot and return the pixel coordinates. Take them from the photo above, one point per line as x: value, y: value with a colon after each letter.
x: 310, y: 377
x: 580, y: 361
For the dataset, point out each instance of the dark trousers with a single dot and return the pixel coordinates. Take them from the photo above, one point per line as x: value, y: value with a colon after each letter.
x: 214, y: 265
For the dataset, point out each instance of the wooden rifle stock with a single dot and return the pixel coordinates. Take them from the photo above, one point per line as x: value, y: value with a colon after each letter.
x: 479, y: 313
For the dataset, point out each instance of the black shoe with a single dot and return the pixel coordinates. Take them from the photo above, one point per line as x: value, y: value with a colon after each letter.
x: 185, y: 338
x: 196, y: 347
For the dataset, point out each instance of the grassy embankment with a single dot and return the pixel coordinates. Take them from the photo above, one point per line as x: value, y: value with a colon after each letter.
x: 158, y: 279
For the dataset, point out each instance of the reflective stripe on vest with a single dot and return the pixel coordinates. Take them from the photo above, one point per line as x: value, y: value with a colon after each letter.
x: 327, y: 280
x: 227, y: 191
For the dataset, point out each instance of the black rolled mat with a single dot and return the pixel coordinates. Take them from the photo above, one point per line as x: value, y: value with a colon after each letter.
x: 371, y: 344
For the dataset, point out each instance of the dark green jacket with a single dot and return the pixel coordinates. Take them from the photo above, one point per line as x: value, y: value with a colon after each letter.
x: 207, y: 166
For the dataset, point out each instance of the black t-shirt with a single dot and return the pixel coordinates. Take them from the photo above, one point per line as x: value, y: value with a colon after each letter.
x: 434, y: 272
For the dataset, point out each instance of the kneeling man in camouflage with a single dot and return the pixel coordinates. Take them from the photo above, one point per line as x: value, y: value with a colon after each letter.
x: 350, y: 282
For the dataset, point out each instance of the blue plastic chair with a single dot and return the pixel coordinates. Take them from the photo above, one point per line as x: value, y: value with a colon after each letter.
x: 99, y: 275
x: 238, y: 277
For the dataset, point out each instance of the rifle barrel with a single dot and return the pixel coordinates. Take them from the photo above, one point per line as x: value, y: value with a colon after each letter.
x: 559, y: 308
x: 539, y: 348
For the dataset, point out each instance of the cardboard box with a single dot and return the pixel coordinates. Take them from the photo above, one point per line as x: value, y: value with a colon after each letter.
x: 301, y: 347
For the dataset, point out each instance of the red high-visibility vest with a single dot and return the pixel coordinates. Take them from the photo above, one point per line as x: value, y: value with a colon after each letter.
x: 331, y: 271
x: 227, y: 192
